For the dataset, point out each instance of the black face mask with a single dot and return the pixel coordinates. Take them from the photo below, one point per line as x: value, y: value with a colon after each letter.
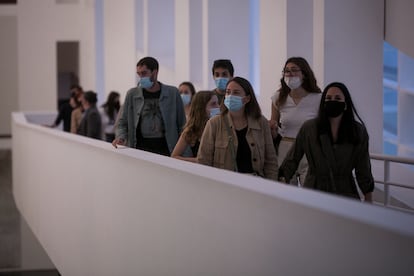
x: 334, y: 108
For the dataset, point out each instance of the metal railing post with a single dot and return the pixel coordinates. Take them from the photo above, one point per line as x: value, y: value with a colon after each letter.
x: 386, y: 184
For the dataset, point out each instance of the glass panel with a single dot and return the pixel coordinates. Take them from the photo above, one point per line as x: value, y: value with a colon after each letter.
x: 390, y: 62
x: 390, y: 99
x: 390, y: 148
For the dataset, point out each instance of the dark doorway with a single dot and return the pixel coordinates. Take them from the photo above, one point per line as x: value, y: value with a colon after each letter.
x: 67, y: 68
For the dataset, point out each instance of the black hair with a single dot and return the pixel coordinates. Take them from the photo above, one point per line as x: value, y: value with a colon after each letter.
x: 112, y: 105
x: 150, y: 62
x: 90, y: 97
x: 348, y: 129
x: 223, y: 63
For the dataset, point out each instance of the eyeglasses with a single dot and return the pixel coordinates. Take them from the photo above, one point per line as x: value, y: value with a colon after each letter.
x: 291, y: 71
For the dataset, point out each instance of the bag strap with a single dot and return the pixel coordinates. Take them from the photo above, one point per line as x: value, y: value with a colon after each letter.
x: 232, y: 150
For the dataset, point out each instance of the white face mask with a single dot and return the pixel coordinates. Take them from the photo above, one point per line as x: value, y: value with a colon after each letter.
x: 293, y: 82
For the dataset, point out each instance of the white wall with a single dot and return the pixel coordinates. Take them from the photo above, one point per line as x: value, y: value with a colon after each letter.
x: 119, y: 47
x: 128, y: 212
x: 199, y: 32
x: 40, y: 25
x: 273, y: 49
x: 353, y: 38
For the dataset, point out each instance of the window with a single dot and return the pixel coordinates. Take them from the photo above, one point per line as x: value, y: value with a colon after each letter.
x: 390, y: 97
x: 398, y: 108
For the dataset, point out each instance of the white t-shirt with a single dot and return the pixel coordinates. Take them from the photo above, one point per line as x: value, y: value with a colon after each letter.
x: 108, y: 125
x: 292, y: 116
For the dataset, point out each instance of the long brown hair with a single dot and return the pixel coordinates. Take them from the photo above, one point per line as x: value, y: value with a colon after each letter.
x: 112, y: 105
x: 309, y: 81
x: 252, y: 108
x: 198, y: 116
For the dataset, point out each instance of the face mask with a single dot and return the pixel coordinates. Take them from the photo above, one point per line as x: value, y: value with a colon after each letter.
x: 334, y: 108
x: 145, y: 82
x: 186, y: 98
x: 293, y: 82
x: 221, y: 83
x: 233, y: 103
x: 214, y: 111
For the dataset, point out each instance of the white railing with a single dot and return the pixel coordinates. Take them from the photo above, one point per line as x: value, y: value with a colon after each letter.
x: 388, y: 181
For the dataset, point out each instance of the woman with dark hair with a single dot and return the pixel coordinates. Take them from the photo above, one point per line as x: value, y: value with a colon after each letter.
x: 295, y: 102
x: 335, y: 144
x: 204, y: 106
x: 109, y: 112
x: 239, y: 139
x: 187, y: 92
x: 76, y: 115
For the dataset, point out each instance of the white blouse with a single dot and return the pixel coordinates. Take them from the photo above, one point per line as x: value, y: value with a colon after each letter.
x: 292, y: 116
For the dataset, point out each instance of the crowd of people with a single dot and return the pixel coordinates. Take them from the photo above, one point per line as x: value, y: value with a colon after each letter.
x: 314, y: 138
x: 80, y: 115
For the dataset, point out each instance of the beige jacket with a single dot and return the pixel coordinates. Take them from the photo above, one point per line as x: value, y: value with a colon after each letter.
x: 215, y: 151
x: 76, y: 118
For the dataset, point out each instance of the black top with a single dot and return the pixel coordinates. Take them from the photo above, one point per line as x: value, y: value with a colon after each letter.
x: 194, y: 149
x: 244, y: 155
x: 65, y: 113
x: 150, y: 131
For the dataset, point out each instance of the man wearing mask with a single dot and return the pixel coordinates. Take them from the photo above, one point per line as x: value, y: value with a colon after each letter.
x: 223, y: 71
x: 152, y: 116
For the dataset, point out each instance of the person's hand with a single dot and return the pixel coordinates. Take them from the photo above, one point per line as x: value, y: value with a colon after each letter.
x: 51, y: 126
x: 273, y: 128
x: 272, y: 124
x: 118, y: 141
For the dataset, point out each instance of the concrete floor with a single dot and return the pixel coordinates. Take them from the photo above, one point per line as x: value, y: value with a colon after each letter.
x: 9, y: 217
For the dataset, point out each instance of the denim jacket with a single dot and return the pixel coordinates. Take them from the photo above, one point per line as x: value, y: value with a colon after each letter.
x: 172, y: 111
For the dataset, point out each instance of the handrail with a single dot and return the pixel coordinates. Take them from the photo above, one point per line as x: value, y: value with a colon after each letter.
x: 392, y: 158
x: 387, y: 160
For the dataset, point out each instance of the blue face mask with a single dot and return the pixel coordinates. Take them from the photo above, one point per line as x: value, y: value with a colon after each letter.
x: 186, y: 98
x: 214, y: 111
x: 221, y: 83
x: 233, y: 103
x: 145, y: 82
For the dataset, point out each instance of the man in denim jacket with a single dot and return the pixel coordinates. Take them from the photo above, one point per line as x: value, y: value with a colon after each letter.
x: 152, y: 116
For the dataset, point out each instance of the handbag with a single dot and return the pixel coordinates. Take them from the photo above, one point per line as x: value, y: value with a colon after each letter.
x: 276, y: 142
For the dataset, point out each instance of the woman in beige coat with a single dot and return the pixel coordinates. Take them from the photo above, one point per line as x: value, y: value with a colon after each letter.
x: 239, y: 139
